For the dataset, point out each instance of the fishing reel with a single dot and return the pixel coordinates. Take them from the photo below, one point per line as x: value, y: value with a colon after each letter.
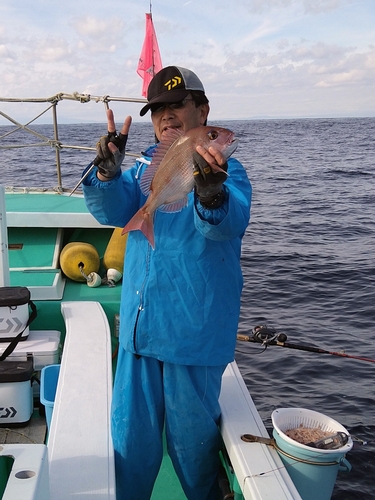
x: 266, y: 335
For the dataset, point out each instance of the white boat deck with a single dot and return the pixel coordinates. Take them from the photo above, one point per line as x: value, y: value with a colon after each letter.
x: 28, y: 479
x: 258, y: 467
x: 79, y: 443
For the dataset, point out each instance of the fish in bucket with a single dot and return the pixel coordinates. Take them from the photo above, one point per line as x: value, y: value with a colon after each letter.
x: 313, y: 466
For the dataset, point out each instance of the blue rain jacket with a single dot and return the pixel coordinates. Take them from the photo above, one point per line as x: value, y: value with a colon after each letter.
x: 180, y: 303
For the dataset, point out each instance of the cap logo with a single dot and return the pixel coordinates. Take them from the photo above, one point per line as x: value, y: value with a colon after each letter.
x: 173, y: 82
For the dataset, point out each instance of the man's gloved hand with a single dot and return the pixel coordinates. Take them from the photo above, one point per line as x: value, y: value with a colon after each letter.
x: 109, y: 163
x: 209, y: 185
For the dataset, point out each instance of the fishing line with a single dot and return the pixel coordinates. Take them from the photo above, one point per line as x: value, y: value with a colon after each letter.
x: 260, y: 474
x: 293, y: 462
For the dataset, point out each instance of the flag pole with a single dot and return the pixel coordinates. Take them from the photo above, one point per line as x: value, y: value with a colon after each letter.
x: 152, y: 37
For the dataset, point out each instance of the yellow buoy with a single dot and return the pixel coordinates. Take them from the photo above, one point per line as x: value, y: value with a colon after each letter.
x: 77, y: 256
x: 114, y: 254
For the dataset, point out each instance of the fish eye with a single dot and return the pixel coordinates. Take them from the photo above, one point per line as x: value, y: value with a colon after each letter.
x: 212, y: 135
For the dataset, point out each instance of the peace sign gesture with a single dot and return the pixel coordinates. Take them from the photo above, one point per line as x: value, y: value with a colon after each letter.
x: 111, y: 148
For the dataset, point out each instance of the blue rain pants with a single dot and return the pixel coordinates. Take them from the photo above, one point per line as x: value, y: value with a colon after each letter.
x: 149, y: 394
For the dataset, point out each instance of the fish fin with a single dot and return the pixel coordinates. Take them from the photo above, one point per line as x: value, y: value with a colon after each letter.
x: 170, y: 136
x: 175, y: 206
x: 163, y: 146
x: 146, y: 179
x: 216, y: 169
x: 141, y: 221
x: 157, y: 156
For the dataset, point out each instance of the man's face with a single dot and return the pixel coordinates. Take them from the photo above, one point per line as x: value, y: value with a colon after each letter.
x: 184, y: 116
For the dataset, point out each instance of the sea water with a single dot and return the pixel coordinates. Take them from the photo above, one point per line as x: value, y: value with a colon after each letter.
x: 308, y: 262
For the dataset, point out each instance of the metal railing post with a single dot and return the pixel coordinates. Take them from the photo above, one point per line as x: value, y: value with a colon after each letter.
x: 57, y: 149
x: 4, y: 256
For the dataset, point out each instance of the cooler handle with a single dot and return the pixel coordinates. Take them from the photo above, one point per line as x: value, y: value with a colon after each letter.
x: 16, y: 339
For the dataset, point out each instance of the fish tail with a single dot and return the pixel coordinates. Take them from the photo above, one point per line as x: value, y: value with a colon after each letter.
x: 141, y: 221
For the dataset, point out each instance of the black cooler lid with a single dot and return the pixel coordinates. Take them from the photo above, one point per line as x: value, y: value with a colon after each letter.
x: 16, y: 371
x: 14, y: 295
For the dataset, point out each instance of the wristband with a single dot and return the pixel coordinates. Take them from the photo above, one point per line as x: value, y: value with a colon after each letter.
x: 213, y: 202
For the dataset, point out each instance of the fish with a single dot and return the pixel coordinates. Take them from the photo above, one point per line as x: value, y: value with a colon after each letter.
x: 170, y: 176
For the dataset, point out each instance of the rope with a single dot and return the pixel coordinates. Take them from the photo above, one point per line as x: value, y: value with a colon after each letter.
x: 54, y: 143
x: 302, y: 460
x: 24, y: 190
x: 75, y: 96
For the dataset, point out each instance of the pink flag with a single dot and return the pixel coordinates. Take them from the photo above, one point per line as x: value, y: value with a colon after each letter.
x: 150, y: 60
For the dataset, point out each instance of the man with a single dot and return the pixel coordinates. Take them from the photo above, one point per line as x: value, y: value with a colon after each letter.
x: 180, y: 302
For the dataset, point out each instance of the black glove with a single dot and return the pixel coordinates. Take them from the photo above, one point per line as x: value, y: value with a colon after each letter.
x: 209, y: 185
x: 110, y: 163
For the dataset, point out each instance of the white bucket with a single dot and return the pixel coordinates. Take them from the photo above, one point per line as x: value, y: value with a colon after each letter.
x: 312, y: 470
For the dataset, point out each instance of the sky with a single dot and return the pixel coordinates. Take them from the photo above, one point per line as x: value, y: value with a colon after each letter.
x: 256, y: 58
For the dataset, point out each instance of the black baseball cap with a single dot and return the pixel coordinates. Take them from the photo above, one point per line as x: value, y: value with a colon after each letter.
x: 171, y: 84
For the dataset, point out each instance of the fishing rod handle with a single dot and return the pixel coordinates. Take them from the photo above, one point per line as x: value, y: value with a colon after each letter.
x: 244, y: 338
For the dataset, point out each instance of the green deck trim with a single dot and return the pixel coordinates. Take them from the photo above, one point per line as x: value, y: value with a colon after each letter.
x: 47, y: 209
x: 30, y: 278
x: 6, y: 464
x: 30, y: 242
x: 45, y: 202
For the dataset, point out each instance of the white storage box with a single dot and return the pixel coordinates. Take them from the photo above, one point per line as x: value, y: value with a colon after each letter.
x: 16, y: 393
x: 44, y: 345
x: 14, y: 312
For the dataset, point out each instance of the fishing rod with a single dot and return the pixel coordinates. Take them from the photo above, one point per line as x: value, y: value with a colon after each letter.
x: 88, y: 169
x: 266, y: 336
x: 91, y: 165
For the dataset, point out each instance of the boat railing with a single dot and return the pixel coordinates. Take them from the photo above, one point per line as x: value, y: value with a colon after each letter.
x: 51, y: 106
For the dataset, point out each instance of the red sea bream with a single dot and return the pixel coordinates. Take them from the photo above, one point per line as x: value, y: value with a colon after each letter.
x: 169, y: 178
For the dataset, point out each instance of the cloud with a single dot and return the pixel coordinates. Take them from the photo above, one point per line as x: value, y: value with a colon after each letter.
x: 307, y: 6
x: 354, y: 69
x: 266, y: 28
x: 261, y: 57
x: 50, y: 50
x: 300, y: 67
x: 260, y: 6
x: 6, y: 55
x: 320, y: 6
x: 96, y: 35
x: 93, y: 27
